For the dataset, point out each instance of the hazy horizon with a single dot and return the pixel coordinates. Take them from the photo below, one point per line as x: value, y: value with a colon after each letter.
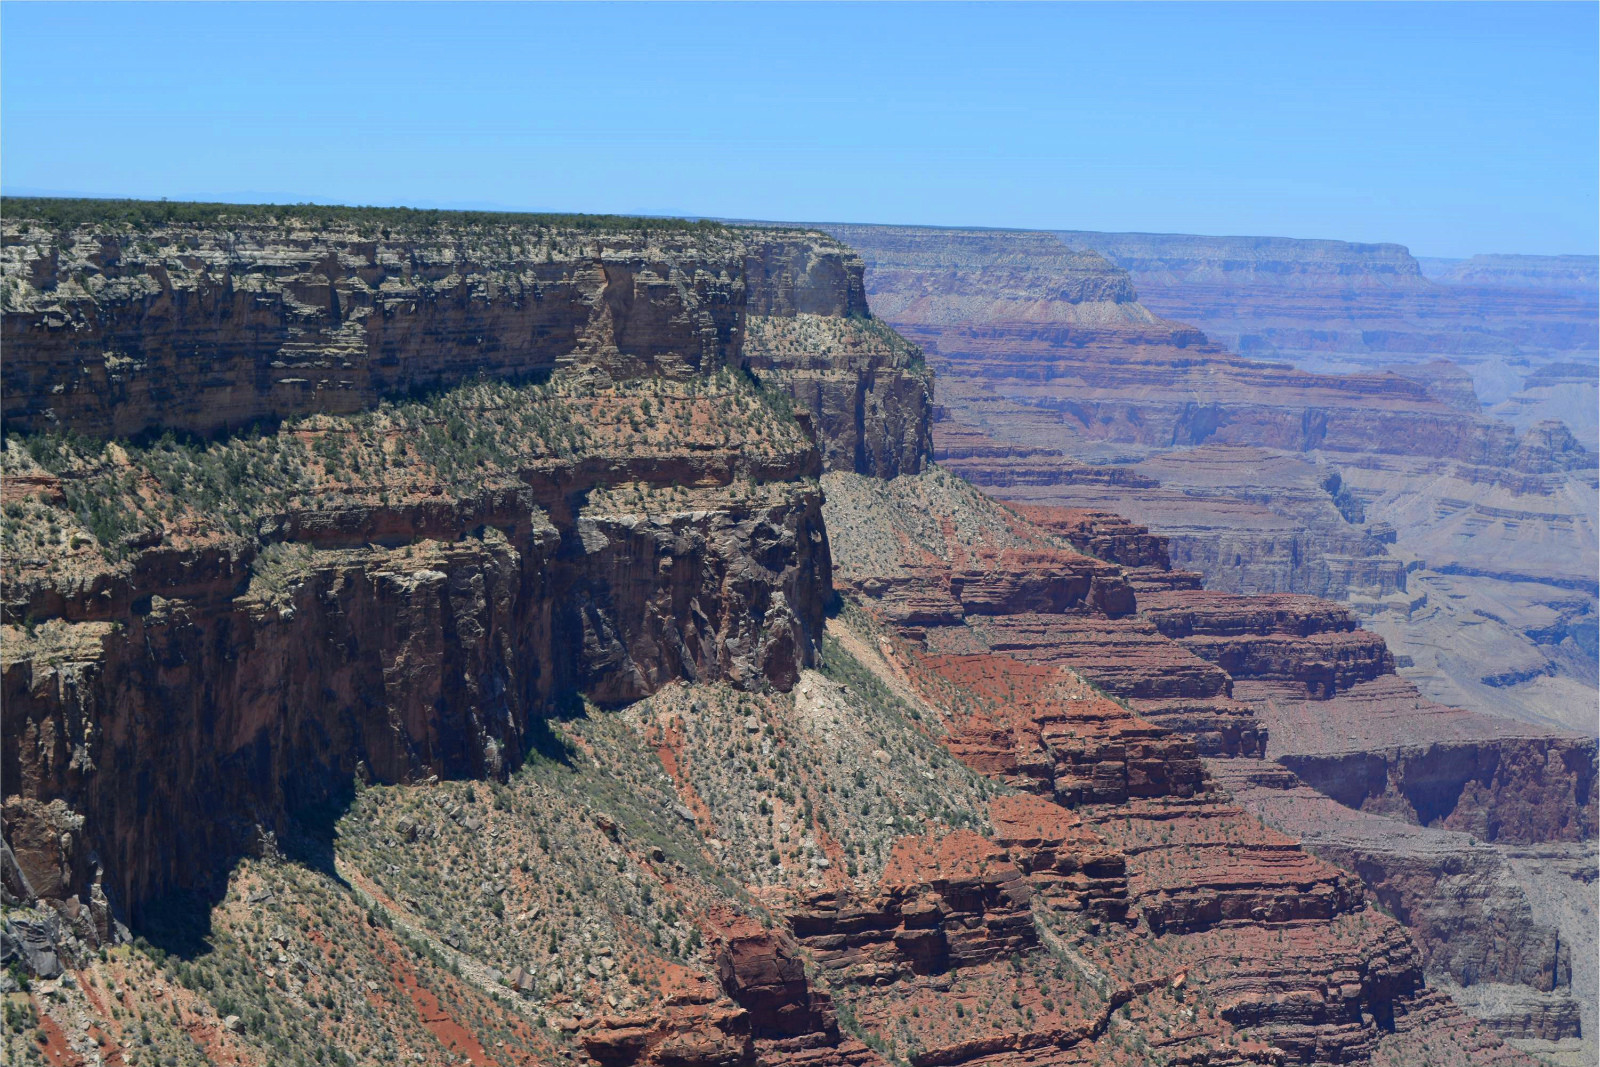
x: 248, y: 199
x: 1450, y: 129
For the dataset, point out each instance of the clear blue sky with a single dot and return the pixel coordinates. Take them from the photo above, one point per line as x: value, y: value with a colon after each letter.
x: 1453, y: 129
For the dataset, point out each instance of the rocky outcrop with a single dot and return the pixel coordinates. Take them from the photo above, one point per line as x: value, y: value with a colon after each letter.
x: 1186, y: 615
x: 1196, y: 863
x: 767, y: 1013
x: 1066, y: 862
x: 1102, y: 534
x: 866, y: 390
x: 1303, y: 640
x: 1048, y: 733
x: 692, y: 1032
x: 1018, y: 581
x: 384, y: 588
x: 944, y: 903
x: 763, y: 971
x: 259, y: 314
x: 434, y: 658
x: 1549, y: 445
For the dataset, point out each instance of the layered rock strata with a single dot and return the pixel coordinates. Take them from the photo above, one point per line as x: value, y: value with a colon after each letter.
x: 768, y: 1012
x: 1477, y: 910
x: 1069, y: 864
x: 865, y: 387
x: 1018, y: 313
x: 241, y: 318
x: 385, y: 587
x: 1385, y: 486
x: 764, y: 852
x: 436, y: 658
x: 944, y: 904
x: 1338, y: 305
x: 1191, y: 867
x: 1195, y: 862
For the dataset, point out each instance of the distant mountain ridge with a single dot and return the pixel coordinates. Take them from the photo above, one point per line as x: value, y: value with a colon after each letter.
x: 1342, y: 307
x: 1541, y: 272
x: 1193, y: 258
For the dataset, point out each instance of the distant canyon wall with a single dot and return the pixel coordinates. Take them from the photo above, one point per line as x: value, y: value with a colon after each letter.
x: 1342, y: 305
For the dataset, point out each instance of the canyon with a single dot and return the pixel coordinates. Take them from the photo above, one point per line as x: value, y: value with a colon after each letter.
x: 1468, y: 544
x: 1296, y: 714
x: 532, y: 639
x: 1387, y: 488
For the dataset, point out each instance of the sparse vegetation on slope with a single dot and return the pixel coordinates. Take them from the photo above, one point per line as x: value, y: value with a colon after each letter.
x: 466, y: 441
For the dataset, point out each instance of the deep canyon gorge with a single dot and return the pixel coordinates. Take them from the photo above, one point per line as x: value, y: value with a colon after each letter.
x: 459, y: 637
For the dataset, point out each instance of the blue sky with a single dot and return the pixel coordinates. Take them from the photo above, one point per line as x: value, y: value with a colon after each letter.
x: 1453, y: 129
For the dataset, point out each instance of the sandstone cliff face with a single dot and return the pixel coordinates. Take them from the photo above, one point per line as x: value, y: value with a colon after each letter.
x: 392, y: 592
x: 1380, y: 746
x: 207, y: 327
x: 1527, y: 789
x: 437, y: 658
x: 865, y: 388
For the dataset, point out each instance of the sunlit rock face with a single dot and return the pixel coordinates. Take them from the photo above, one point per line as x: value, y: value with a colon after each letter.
x: 460, y: 469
